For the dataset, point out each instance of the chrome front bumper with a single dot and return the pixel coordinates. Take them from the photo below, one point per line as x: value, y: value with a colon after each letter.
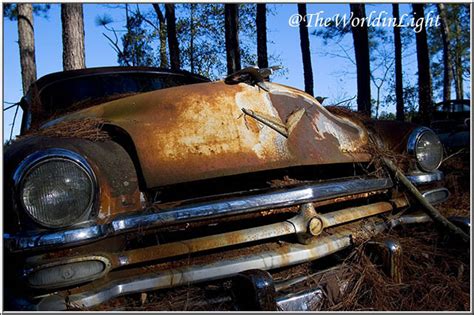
x: 287, y: 254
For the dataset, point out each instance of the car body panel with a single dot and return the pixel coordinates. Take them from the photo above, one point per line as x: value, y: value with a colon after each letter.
x: 200, y: 131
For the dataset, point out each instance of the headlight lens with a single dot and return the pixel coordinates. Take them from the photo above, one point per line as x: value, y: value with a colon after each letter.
x: 57, y: 192
x: 427, y: 148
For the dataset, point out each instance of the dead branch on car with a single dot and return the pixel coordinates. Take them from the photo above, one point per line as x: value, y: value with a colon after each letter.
x: 426, y: 206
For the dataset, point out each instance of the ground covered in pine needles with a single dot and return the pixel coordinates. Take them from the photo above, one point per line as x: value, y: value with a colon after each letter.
x: 436, y: 273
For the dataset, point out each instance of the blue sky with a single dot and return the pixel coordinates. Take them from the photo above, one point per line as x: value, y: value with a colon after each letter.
x: 334, y: 77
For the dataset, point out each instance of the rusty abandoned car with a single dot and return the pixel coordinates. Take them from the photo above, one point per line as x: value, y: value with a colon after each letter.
x: 127, y: 180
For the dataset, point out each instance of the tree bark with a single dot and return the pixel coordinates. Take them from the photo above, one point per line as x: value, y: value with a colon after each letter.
x: 73, y: 36
x: 398, y: 66
x: 262, y: 35
x: 231, y: 12
x: 192, y: 31
x: 360, y: 36
x: 305, y: 51
x: 457, y: 79
x: 162, y: 22
x: 459, y: 84
x: 26, y: 42
x: 172, y: 38
x: 447, y: 75
x: 424, y: 76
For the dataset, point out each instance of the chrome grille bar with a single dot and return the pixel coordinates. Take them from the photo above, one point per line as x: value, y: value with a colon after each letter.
x: 276, y: 199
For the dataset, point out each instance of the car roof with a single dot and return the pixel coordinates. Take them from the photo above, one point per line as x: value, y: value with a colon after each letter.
x: 64, y: 75
x: 458, y: 101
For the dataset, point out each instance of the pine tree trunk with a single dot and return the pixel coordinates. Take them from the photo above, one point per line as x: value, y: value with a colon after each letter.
x: 129, y: 54
x: 231, y: 12
x: 305, y: 51
x: 424, y: 76
x: 457, y: 79
x: 73, y: 36
x: 398, y: 66
x: 447, y: 75
x: 191, y: 38
x: 26, y: 42
x: 458, y: 66
x: 360, y: 36
x: 162, y: 22
x: 172, y: 38
x: 262, y: 35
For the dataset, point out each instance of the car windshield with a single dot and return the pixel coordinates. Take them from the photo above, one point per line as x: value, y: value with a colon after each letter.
x: 454, y: 108
x: 88, y: 90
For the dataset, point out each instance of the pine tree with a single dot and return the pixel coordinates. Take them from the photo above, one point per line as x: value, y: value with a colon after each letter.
x: 73, y: 36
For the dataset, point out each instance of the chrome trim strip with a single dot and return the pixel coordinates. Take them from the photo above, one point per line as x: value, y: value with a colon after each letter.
x: 293, y: 254
x: 213, y: 209
x: 431, y: 195
x: 57, y: 238
x: 300, y: 301
x: 425, y: 178
x: 412, y: 218
x: 245, y: 204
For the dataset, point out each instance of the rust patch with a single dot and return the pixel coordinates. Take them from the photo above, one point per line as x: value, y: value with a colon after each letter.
x: 346, y: 198
x: 348, y: 135
x: 352, y: 214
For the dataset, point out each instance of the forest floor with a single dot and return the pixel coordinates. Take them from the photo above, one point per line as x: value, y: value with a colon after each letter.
x: 436, y: 273
x: 435, y: 276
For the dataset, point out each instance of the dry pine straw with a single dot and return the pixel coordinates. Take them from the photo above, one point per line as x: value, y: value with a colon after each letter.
x: 435, y: 277
x: 87, y: 128
x: 457, y: 171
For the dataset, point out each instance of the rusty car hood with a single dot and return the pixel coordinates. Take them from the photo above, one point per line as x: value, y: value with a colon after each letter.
x: 214, y: 129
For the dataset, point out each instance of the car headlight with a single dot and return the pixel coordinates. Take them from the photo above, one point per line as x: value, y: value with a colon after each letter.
x: 425, y: 146
x: 56, y: 187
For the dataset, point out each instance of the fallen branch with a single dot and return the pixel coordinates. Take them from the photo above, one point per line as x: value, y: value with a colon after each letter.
x: 452, y: 155
x: 268, y: 121
x: 426, y: 206
x: 344, y: 101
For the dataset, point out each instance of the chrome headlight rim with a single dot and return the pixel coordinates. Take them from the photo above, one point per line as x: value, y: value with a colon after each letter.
x: 37, y: 158
x: 413, y: 139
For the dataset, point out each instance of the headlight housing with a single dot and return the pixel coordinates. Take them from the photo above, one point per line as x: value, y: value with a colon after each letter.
x: 56, y: 187
x: 425, y: 146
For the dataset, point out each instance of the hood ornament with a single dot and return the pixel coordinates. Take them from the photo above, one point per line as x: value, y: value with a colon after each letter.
x: 252, y: 75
